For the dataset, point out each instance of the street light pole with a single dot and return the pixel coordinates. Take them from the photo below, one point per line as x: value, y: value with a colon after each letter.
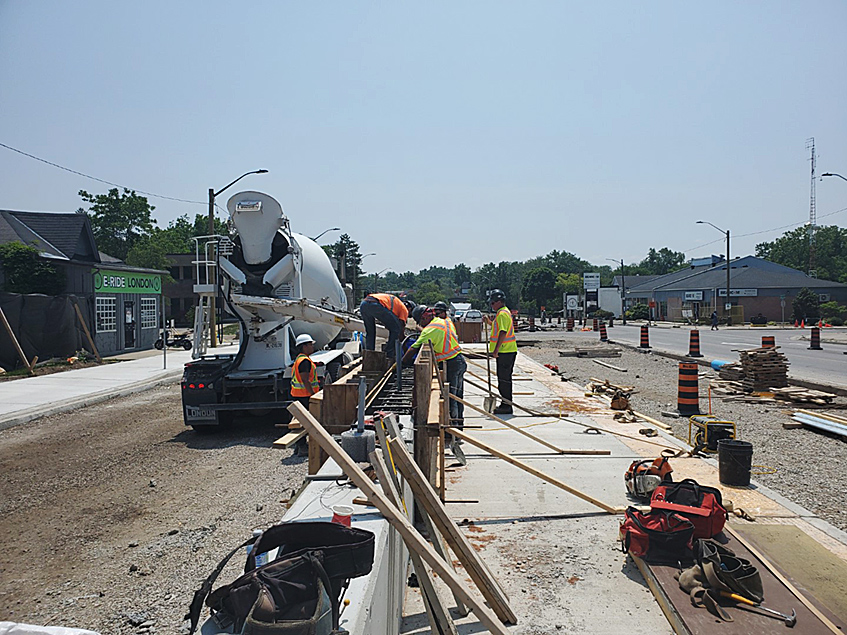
x: 833, y: 174
x: 728, y: 266
x: 213, y: 325
x: 331, y: 229
x: 623, y: 290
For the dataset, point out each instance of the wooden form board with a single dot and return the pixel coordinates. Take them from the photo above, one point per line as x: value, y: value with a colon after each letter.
x: 747, y: 620
x: 428, y: 499
x: 542, y: 475
x: 439, y: 619
x: 287, y: 440
x: 397, y: 520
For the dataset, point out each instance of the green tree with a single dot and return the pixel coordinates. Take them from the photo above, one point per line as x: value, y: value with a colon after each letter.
x: 568, y: 283
x: 461, y: 273
x: 792, y: 250
x: 26, y: 272
x: 661, y: 262
x: 539, y: 286
x: 428, y: 293
x: 806, y: 305
x: 152, y: 251
x: 118, y: 220
x: 349, y: 262
x: 829, y: 310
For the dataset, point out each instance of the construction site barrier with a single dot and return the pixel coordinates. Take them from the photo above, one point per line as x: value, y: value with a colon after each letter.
x: 816, y: 339
x: 569, y: 325
x: 694, y: 344
x: 645, y: 337
x: 603, y: 336
x: 688, y: 397
x: 594, y: 327
x: 768, y: 341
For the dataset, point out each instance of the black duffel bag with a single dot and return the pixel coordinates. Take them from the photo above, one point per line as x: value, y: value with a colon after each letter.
x: 300, y: 589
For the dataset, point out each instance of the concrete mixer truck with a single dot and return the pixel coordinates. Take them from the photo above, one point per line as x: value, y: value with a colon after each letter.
x: 277, y: 284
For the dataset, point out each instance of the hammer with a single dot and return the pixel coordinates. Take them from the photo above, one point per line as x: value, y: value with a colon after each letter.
x: 790, y: 620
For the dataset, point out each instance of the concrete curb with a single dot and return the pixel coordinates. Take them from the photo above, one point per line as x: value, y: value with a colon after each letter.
x: 30, y: 414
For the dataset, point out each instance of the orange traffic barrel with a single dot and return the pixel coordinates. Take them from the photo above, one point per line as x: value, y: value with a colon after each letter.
x: 603, y: 336
x: 645, y: 337
x: 694, y: 344
x: 594, y: 327
x: 816, y: 339
x: 688, y: 398
x: 531, y: 323
x: 569, y: 325
x: 768, y: 341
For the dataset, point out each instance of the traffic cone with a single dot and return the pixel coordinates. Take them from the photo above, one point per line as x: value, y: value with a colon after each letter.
x: 803, y: 323
x: 796, y: 324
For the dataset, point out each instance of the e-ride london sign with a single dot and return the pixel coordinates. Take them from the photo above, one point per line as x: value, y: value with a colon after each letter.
x: 126, y: 282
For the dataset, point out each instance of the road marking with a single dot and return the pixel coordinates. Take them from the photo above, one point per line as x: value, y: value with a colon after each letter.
x: 736, y: 343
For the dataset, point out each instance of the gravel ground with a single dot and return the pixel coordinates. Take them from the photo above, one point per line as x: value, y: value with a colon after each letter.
x: 809, y: 465
x: 112, y: 515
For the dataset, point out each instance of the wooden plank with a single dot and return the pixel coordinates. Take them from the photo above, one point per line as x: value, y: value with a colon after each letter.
x: 655, y: 422
x: 530, y: 411
x: 535, y: 472
x: 428, y: 499
x: 664, y: 602
x: 528, y: 435
x: 317, y: 457
x: 287, y: 440
x: 15, y: 342
x: 397, y: 520
x: 607, y: 365
x: 88, y: 333
x: 823, y: 415
x: 439, y: 619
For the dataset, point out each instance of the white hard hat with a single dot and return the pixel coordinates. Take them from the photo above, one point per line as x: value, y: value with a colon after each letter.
x: 305, y: 338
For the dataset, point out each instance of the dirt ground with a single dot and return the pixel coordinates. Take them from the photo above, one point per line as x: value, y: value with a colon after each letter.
x: 111, y: 516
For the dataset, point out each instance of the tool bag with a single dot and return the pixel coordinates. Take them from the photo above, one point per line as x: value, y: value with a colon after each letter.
x: 643, y: 477
x: 299, y: 592
x: 657, y: 537
x: 701, y: 504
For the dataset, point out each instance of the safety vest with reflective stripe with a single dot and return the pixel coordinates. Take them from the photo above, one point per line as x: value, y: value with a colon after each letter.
x: 509, y: 344
x: 393, y: 304
x: 301, y: 387
x: 448, y: 347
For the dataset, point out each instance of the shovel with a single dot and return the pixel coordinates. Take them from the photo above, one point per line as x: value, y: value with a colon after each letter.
x: 489, y: 401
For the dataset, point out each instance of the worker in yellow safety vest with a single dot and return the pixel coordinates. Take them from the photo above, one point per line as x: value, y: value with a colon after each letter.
x: 447, y: 352
x: 503, y: 347
x: 440, y: 309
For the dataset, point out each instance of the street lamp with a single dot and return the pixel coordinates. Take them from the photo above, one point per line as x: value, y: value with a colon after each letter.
x: 832, y: 174
x: 373, y: 253
x: 623, y: 290
x: 728, y: 264
x: 213, y: 327
x: 376, y: 276
x: 331, y: 229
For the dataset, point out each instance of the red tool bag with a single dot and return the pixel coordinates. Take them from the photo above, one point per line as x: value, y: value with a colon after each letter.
x: 702, y: 505
x: 658, y: 537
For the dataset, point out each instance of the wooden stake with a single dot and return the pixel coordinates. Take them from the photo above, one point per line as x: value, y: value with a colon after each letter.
x: 88, y: 334
x: 397, y: 520
x: 528, y: 435
x: 535, y: 472
x: 15, y: 342
x: 428, y: 499
x: 439, y: 619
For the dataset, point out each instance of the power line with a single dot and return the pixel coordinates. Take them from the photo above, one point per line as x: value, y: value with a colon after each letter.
x: 94, y: 178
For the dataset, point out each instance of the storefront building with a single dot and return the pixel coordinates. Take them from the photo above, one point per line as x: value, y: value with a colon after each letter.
x: 127, y: 308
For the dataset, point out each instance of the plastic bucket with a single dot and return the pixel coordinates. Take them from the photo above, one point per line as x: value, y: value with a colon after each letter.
x: 734, y: 461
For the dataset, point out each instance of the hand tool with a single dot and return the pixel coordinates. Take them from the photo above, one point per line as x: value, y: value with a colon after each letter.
x: 790, y: 620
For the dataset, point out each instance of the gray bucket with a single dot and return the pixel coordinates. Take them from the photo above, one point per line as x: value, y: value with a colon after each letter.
x: 735, y: 459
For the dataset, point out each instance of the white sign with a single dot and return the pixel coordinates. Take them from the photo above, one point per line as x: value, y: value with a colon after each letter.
x: 571, y: 302
x: 590, y: 281
x: 693, y: 295
x: 736, y: 293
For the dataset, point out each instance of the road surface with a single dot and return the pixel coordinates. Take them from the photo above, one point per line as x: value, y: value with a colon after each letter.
x: 827, y: 366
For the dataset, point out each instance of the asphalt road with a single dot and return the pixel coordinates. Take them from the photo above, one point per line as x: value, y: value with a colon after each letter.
x: 828, y: 366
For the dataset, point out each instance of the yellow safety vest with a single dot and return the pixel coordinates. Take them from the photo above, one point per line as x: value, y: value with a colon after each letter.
x: 299, y: 387
x: 510, y: 344
x: 446, y: 344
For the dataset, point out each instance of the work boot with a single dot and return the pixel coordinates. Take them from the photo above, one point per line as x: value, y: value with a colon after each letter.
x: 503, y: 409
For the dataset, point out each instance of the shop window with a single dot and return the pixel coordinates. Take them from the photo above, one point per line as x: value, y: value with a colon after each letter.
x: 175, y: 306
x: 106, y: 310
x: 148, y: 313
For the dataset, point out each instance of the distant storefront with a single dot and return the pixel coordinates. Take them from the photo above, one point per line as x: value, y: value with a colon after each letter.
x: 126, y: 308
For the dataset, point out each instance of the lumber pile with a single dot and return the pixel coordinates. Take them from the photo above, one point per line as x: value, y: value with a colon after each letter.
x: 731, y: 372
x: 764, y: 368
x: 803, y: 395
x: 591, y: 352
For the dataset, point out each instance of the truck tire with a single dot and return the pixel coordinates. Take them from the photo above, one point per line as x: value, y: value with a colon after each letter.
x: 333, y: 372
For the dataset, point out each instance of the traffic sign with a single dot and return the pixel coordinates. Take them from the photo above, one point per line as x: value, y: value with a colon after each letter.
x: 590, y: 281
x: 571, y: 302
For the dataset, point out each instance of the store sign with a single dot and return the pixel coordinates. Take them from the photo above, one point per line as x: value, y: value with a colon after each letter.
x: 590, y: 281
x: 126, y: 282
x: 696, y: 296
x: 739, y: 293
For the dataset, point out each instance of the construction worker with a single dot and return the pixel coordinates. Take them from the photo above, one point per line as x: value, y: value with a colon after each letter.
x: 503, y: 347
x: 440, y: 309
x: 447, y: 351
x: 388, y: 310
x: 304, y: 379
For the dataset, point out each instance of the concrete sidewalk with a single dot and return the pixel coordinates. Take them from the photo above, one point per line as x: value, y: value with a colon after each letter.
x: 23, y: 400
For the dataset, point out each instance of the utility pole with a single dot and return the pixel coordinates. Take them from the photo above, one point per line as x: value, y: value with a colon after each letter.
x: 728, y: 268
x: 813, y: 219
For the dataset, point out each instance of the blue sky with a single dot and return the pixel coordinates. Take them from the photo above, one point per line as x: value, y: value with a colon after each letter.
x: 440, y: 133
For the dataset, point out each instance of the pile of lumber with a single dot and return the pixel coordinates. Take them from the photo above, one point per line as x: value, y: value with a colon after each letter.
x: 803, y: 395
x: 764, y: 369
x: 732, y: 372
x: 727, y: 387
x: 591, y: 352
